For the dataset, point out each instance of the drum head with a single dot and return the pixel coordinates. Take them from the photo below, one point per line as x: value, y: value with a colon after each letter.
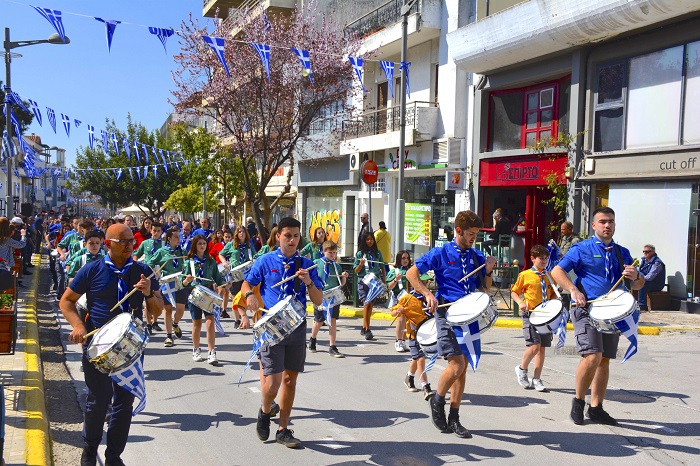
x: 618, y: 304
x: 170, y: 277
x: 546, y: 312
x: 206, y: 291
x: 244, y: 266
x: 110, y: 333
x: 468, y: 307
x: 367, y: 279
x: 82, y: 301
x: 426, y: 333
x: 286, y: 301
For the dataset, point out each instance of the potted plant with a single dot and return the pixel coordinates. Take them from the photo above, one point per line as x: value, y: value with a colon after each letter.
x: 6, y: 302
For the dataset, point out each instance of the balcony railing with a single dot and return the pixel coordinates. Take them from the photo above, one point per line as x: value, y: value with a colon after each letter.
x: 377, y: 19
x: 326, y: 125
x: 382, y: 121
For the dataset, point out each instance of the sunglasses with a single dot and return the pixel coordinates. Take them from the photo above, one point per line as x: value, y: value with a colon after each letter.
x: 123, y: 241
x: 646, y: 251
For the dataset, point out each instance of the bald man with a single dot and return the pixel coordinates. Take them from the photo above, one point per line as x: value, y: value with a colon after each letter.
x: 105, y: 281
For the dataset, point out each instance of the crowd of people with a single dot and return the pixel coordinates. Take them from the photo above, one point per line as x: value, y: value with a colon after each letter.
x: 252, y: 272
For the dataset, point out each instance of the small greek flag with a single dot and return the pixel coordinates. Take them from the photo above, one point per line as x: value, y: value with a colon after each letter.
x: 77, y: 123
x: 266, y: 23
x: 431, y: 363
x: 217, y: 320
x: 305, y: 62
x: 37, y: 112
x: 12, y: 97
x: 628, y: 327
x: 118, y: 174
x: 264, y: 54
x: 388, y: 68
x: 66, y: 123
x: 91, y: 136
x: 132, y: 380
x: 53, y: 17
x: 404, y: 67
x: 52, y: 118
x: 162, y: 34
x: 561, y: 331
x: 111, y: 25
x: 356, y: 63
x: 217, y: 45
x: 470, y: 342
x: 127, y: 149
x: 115, y: 143
x: 145, y: 151
x: 105, y: 141
x: 375, y: 290
x: 8, y: 146
x: 553, y: 256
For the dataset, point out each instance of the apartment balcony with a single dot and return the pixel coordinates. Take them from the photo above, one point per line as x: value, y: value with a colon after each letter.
x: 323, y: 139
x: 537, y: 28
x: 210, y: 6
x: 380, y: 129
x: 381, y: 27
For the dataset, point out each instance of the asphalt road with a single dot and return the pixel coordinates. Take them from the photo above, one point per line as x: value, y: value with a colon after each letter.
x: 356, y: 410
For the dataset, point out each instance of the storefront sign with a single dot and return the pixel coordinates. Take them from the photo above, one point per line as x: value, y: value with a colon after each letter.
x: 417, y: 224
x: 408, y: 164
x: 521, y: 171
x: 370, y: 172
x: 454, y: 180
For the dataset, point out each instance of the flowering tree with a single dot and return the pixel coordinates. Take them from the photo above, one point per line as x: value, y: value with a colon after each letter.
x: 265, y: 121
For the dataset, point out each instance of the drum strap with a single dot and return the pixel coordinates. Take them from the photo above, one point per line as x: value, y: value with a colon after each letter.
x: 482, y: 273
x: 628, y: 283
x: 297, y: 280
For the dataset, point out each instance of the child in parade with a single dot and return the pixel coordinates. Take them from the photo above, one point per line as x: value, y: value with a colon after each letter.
x: 314, y: 249
x: 332, y: 276
x: 398, y: 285
x: 529, y: 292
x: 220, y: 239
x: 93, y: 245
x: 236, y: 252
x: 367, y: 260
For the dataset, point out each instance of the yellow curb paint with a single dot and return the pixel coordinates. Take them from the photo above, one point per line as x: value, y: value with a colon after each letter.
x: 36, y: 437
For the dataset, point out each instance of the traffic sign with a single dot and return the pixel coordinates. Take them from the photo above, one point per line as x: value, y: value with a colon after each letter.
x: 370, y: 172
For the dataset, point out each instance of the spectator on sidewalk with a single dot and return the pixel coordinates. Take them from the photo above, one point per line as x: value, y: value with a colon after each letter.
x: 365, y: 228
x: 654, y: 271
x: 383, y: 238
x: 502, y: 226
x: 568, y: 238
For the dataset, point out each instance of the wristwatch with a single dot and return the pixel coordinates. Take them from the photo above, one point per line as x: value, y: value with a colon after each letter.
x: 310, y: 285
x: 150, y: 295
x: 249, y: 293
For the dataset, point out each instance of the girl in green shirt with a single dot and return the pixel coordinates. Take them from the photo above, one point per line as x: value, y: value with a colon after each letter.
x: 270, y: 246
x: 367, y: 260
x: 314, y: 249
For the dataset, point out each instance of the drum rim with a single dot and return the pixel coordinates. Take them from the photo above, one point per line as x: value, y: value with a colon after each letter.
x: 428, y: 343
x: 93, y: 343
x: 461, y: 301
x: 554, y: 317
x: 601, y: 305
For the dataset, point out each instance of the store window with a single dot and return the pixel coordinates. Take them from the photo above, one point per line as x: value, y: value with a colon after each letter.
x: 324, y: 209
x: 521, y: 117
x: 433, y: 207
x: 601, y: 194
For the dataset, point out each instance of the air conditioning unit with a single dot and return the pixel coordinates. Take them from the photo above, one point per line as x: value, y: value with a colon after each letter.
x: 355, y: 162
x: 439, y: 187
x: 448, y: 150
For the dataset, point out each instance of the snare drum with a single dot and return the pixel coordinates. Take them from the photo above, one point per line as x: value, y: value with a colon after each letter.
x: 475, y: 307
x: 336, y: 294
x: 618, y: 306
x: 280, y: 321
x: 372, y: 281
x: 205, y: 299
x: 171, y: 282
x: 82, y: 305
x: 426, y: 336
x: 237, y: 273
x: 547, y: 317
x: 117, y: 344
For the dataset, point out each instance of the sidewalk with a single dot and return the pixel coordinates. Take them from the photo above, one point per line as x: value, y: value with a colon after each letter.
x: 27, y: 438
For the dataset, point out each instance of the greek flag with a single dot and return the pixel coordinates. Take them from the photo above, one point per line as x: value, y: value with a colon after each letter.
x: 145, y: 151
x: 125, y: 143
x: 359, y: 72
x: 328, y: 308
x: 155, y: 171
x: 168, y: 289
x: 52, y: 118
x: 628, y: 328
x: 217, y: 320
x: 162, y: 34
x: 77, y: 123
x: 388, y: 68
x: 266, y: 23
x: 13, y: 98
x: 155, y: 154
x: 136, y: 150
x: 404, y: 67
x: 561, y: 331
x: 470, y: 342
x: 553, y: 256
x: 66, y: 123
x: 115, y: 142
x: 305, y: 62
x: 105, y: 140
x: 91, y: 136
x: 217, y: 45
x: 257, y: 344
x: 35, y: 109
x: 431, y: 363
x: 375, y: 290
x: 118, y: 174
x: 53, y: 17
x: 132, y: 380
x: 111, y: 25
x: 264, y: 54
x: 8, y: 146
x: 145, y: 172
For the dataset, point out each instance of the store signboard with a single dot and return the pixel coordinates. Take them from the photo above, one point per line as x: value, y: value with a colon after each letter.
x: 454, y: 179
x: 521, y: 171
x: 417, y: 224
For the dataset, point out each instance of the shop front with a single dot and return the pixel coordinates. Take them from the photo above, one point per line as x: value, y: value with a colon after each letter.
x: 519, y: 186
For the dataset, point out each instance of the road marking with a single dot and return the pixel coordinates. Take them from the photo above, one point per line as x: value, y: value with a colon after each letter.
x: 665, y: 429
x: 254, y: 389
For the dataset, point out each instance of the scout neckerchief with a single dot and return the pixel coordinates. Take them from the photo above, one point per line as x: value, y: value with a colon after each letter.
x: 121, y: 284
x: 543, y: 284
x: 199, y: 263
x: 369, y: 257
x: 153, y: 247
x: 184, y: 242
x: 287, y: 288
x: 608, y: 262
x: 173, y: 251
x: 243, y: 247
x: 326, y: 270
x: 464, y: 258
x: 403, y: 270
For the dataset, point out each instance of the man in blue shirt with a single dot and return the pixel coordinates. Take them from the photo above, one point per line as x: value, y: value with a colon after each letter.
x: 654, y: 271
x: 204, y: 230
x: 105, y: 281
x: 450, y: 263
x: 284, y: 360
x: 597, y: 266
x: 186, y: 236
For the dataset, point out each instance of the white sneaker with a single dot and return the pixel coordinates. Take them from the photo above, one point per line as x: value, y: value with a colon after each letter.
x: 212, y: 358
x: 197, y: 355
x: 406, y: 349
x: 538, y: 385
x: 398, y: 346
x: 522, y: 376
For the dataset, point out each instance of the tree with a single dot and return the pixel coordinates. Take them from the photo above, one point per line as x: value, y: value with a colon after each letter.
x: 151, y: 191
x: 25, y: 118
x: 189, y: 199
x: 208, y: 162
x: 263, y: 121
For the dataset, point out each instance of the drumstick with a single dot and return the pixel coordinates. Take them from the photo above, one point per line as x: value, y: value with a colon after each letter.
x: 554, y: 287
x: 472, y: 272
x: 601, y: 299
x: 293, y: 276
x: 634, y: 264
x: 424, y: 309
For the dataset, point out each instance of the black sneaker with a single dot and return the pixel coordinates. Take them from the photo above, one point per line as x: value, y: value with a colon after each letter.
x: 225, y: 315
x: 437, y: 413
x: 410, y: 383
x: 236, y: 324
x: 274, y: 409
x: 333, y: 351
x: 312, y: 345
x: 157, y: 328
x: 368, y: 335
x: 89, y: 456
x: 458, y: 429
x: 149, y: 329
x: 286, y: 438
x: 177, y: 331
x: 598, y: 414
x: 263, y: 427
x: 363, y: 331
x: 577, y: 411
x: 428, y: 393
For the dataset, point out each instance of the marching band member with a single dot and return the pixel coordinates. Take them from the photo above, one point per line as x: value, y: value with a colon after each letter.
x: 282, y: 363
x: 148, y: 245
x: 329, y: 273
x: 169, y: 258
x: 93, y: 252
x: 450, y: 263
x: 105, y: 281
x: 314, y: 249
x: 528, y: 292
x: 235, y: 253
x: 205, y: 273
x: 220, y: 239
x: 367, y: 260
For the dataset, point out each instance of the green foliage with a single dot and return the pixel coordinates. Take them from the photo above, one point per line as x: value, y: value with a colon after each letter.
x: 151, y: 192
x: 6, y: 300
x: 189, y: 200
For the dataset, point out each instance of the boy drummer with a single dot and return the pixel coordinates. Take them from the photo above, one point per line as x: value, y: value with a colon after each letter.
x: 528, y: 292
x: 328, y: 273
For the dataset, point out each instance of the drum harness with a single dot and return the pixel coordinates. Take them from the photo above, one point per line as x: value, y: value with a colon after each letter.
x: 481, y: 274
x: 621, y: 263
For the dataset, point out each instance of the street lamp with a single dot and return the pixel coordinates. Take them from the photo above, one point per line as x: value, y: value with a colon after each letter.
x: 9, y: 45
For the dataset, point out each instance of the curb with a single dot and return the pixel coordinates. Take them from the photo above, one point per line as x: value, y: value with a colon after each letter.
x: 36, y: 437
x: 507, y: 322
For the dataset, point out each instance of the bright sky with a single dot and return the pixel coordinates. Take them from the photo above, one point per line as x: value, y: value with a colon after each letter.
x: 83, y: 79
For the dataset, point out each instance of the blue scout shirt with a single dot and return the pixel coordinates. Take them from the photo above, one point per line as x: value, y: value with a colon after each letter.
x: 101, y: 285
x: 587, y: 260
x: 185, y: 243
x: 449, y: 268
